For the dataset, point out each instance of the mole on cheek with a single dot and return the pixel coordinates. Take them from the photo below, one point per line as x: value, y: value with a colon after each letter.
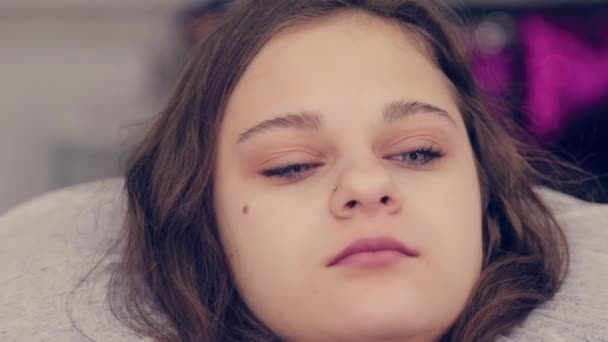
x: 245, y: 210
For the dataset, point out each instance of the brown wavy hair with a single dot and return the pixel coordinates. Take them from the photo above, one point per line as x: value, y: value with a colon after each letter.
x: 174, y: 282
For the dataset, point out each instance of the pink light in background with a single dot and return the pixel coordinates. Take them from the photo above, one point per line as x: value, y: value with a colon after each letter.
x: 566, y: 71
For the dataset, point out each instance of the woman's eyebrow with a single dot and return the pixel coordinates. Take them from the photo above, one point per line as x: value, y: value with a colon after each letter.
x: 301, y: 121
x: 313, y: 121
x: 401, y: 109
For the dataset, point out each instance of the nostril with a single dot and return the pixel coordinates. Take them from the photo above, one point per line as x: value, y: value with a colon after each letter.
x: 351, y: 204
x: 385, y: 200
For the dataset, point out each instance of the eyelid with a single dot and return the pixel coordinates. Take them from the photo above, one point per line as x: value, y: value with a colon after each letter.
x: 431, y: 132
x: 409, y: 143
x: 290, y: 156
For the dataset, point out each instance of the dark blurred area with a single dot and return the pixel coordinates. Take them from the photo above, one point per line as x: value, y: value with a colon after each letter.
x: 547, y: 66
x: 81, y: 79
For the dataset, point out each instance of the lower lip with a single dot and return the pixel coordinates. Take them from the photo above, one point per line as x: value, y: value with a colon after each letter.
x: 371, y: 259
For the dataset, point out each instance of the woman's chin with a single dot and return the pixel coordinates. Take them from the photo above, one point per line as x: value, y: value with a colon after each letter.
x: 381, y: 317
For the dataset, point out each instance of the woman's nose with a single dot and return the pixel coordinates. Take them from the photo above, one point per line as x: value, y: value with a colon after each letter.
x: 369, y: 192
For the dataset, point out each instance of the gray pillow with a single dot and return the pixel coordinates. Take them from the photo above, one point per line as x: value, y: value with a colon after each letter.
x: 48, y: 244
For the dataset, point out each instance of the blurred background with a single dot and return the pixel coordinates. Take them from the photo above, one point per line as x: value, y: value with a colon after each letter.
x: 80, y: 79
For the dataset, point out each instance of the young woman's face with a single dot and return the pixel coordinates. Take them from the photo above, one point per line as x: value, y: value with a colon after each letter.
x: 343, y: 130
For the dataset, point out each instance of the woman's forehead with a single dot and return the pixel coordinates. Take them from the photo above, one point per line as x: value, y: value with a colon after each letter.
x: 342, y: 63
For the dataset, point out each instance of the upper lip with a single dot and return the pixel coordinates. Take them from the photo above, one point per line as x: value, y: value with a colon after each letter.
x: 382, y: 243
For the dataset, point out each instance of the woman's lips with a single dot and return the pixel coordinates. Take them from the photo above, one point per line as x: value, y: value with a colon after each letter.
x: 372, y: 252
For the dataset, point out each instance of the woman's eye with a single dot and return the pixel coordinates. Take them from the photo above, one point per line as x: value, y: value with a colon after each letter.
x: 418, y: 157
x: 296, y: 171
x: 290, y: 172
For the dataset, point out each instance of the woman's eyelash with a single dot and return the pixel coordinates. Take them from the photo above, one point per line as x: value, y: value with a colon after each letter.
x: 290, y: 172
x: 417, y: 157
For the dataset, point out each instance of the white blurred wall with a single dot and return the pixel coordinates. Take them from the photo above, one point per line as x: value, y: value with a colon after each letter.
x: 75, y: 75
